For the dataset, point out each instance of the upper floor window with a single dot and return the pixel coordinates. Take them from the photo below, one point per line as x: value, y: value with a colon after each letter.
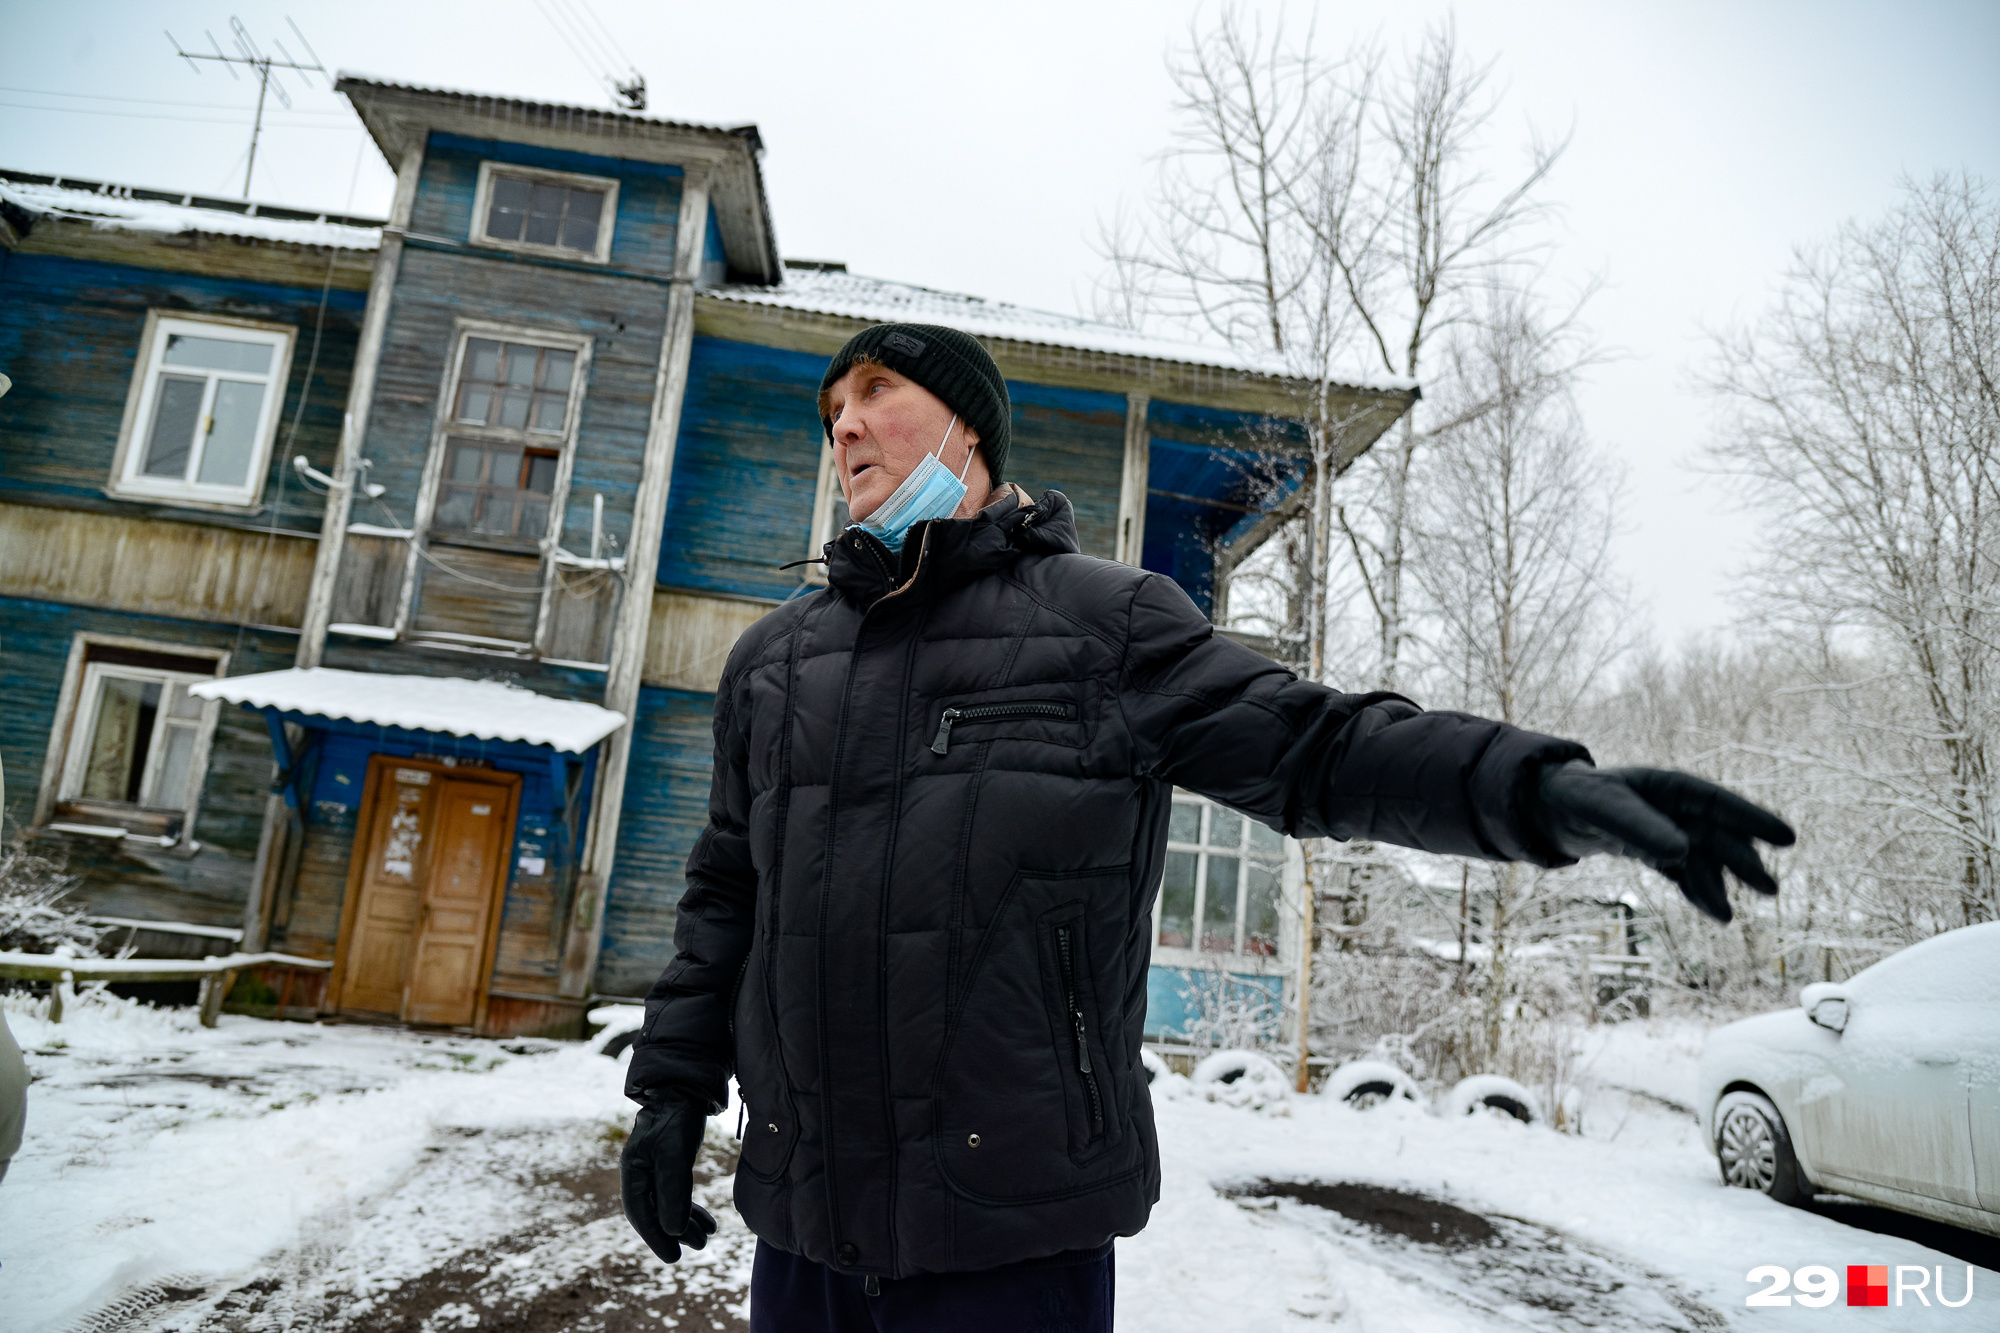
x: 546, y: 212
x: 202, y: 410
x: 1224, y: 875
x: 513, y: 412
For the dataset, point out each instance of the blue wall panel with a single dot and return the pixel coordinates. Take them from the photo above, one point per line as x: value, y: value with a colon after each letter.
x: 666, y: 807
x: 1073, y: 441
x: 69, y: 337
x: 744, y: 470
x: 1173, y: 999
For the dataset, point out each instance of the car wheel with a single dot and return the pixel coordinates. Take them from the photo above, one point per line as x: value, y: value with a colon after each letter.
x: 1755, y: 1149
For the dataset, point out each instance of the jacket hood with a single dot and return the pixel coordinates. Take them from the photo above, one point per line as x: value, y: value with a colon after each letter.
x: 949, y: 553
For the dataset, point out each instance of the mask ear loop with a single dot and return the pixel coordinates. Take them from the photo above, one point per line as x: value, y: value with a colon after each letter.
x: 947, y: 440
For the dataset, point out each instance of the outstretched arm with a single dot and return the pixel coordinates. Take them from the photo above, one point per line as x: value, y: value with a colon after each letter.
x: 1216, y: 718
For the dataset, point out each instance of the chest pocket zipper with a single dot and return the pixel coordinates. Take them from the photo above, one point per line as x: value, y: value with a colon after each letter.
x: 941, y: 743
x: 1066, y: 958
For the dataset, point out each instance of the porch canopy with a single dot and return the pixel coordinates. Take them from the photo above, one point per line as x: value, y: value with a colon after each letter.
x: 484, y: 709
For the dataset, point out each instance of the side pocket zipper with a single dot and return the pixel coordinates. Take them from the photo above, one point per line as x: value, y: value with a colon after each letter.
x: 941, y: 743
x: 1066, y: 955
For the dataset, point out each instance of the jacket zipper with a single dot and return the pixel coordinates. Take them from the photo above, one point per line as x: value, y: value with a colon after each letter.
x: 736, y: 989
x: 1066, y: 954
x: 941, y: 744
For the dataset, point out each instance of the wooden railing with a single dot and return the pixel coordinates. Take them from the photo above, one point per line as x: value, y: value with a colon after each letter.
x: 216, y: 975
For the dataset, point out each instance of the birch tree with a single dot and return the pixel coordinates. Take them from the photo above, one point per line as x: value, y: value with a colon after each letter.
x: 1863, y: 421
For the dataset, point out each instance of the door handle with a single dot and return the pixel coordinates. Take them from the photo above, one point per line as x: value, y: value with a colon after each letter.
x: 1937, y: 1057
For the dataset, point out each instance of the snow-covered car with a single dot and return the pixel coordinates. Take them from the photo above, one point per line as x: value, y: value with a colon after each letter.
x: 1885, y: 1086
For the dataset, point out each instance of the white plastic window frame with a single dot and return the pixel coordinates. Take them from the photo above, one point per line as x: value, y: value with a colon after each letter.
x: 1236, y: 960
x: 76, y: 717
x: 128, y: 482
x: 827, y: 499
x: 482, y: 207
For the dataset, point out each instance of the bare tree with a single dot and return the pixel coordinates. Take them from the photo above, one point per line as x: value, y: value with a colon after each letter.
x: 1864, y: 420
x: 1511, y: 533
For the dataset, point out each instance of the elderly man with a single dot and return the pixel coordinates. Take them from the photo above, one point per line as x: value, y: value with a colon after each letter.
x: 916, y: 928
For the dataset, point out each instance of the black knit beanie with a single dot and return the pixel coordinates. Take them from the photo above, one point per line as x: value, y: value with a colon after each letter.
x: 951, y: 365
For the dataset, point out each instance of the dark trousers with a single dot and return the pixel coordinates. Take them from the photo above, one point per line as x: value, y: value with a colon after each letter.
x: 1064, y: 1293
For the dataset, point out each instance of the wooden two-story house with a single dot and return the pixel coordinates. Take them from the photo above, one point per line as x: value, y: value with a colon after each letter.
x: 364, y: 584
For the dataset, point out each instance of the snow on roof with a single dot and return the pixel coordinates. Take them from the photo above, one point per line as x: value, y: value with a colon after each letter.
x: 598, y: 112
x: 486, y: 709
x: 164, y: 213
x: 829, y: 290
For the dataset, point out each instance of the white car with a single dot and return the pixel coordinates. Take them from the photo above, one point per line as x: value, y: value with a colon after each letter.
x: 1885, y: 1086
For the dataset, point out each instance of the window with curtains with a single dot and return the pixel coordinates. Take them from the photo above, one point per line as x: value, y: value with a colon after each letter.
x: 202, y: 411
x: 1222, y: 890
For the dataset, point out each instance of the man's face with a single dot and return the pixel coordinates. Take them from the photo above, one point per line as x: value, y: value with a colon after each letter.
x: 883, y: 425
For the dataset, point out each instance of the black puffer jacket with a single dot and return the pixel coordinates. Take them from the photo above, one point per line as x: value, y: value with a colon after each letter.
x: 917, y: 925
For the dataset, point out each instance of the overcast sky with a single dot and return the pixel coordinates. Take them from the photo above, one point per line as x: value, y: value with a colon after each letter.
x: 972, y: 147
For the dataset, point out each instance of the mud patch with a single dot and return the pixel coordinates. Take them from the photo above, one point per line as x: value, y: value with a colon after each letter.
x: 502, y: 1230
x: 1519, y: 1274
x: 1412, y: 1216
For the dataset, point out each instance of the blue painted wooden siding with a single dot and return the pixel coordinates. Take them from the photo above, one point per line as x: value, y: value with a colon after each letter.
x: 1073, y: 441
x: 208, y: 888
x: 744, y: 470
x: 69, y: 337
x: 666, y: 807
x: 1230, y: 456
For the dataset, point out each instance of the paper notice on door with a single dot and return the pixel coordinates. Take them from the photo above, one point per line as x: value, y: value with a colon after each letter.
x: 533, y: 865
x: 416, y: 777
x: 482, y: 809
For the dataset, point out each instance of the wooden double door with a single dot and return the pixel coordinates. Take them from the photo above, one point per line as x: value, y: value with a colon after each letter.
x: 425, y: 892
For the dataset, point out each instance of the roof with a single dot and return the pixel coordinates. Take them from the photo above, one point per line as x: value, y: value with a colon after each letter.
x: 830, y: 290
x: 399, y: 116
x: 486, y: 709
x: 174, y: 213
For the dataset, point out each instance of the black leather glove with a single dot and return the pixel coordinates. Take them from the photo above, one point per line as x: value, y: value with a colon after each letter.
x: 656, y: 1178
x: 1685, y: 827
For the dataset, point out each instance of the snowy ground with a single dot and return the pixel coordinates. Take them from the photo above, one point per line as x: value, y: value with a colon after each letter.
x: 267, y: 1176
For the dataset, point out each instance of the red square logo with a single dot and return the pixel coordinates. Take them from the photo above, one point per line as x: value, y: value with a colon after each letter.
x: 1868, y: 1284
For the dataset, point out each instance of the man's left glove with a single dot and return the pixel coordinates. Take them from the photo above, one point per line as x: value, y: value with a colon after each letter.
x: 1687, y: 828
x: 656, y: 1178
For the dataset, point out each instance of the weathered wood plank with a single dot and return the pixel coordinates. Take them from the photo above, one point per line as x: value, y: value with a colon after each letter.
x: 188, y: 570
x: 242, y: 257
x: 691, y: 635
x: 666, y: 807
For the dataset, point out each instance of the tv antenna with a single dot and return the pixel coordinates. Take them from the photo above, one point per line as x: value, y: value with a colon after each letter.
x: 250, y: 54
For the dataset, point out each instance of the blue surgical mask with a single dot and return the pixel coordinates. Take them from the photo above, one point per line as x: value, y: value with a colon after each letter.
x: 930, y: 491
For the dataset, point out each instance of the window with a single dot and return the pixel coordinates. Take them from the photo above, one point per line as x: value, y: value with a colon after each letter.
x: 549, y: 212
x: 137, y: 743
x: 830, y: 516
x: 202, y: 411
x: 1224, y: 872
x: 496, y: 487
